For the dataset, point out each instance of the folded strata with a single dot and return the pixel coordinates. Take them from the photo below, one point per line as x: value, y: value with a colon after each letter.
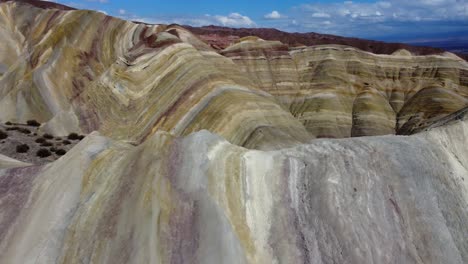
x: 205, y: 156
x: 128, y: 80
x: 340, y: 91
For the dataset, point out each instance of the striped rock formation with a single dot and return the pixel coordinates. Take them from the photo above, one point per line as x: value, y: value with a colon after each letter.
x: 339, y: 91
x: 199, y: 156
x: 201, y: 199
x: 81, y: 71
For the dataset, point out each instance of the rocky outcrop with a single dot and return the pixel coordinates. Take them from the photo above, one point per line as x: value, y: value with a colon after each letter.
x: 200, y: 156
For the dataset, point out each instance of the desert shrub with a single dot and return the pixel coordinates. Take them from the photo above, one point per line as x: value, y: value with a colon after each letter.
x: 40, y: 140
x: 12, y: 128
x: 34, y: 134
x: 33, y: 123
x: 60, y: 152
x: 73, y: 136
x: 3, y: 134
x: 43, y: 153
x: 66, y: 142
x: 48, y: 136
x: 58, y: 138
x: 24, y: 130
x: 8, y: 123
x: 80, y: 137
x: 46, y: 144
x: 53, y: 149
x: 23, y: 148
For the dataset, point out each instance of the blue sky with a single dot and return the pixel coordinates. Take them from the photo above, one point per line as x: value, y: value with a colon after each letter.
x: 391, y: 20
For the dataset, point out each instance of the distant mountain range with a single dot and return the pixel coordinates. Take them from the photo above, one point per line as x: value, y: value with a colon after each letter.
x: 224, y: 35
x: 458, y: 46
x: 220, y: 37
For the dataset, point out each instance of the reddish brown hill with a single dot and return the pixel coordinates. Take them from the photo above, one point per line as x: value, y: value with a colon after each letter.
x: 463, y: 56
x: 42, y: 4
x: 221, y: 35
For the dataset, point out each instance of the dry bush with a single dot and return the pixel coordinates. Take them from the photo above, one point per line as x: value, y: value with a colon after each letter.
x: 33, y: 123
x: 23, y: 148
x: 43, y: 153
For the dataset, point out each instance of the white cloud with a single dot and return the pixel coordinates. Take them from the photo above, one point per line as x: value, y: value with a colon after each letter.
x: 99, y: 1
x: 231, y: 20
x: 379, y: 17
x: 362, y: 19
x: 427, y: 10
x: 122, y: 11
x: 234, y: 20
x: 273, y: 15
x: 320, y: 15
x: 384, y: 4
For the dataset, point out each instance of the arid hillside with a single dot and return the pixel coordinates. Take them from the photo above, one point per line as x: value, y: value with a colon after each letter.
x: 165, y: 148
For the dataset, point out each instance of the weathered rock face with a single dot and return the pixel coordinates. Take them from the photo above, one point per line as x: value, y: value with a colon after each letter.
x: 339, y: 91
x: 94, y: 72
x: 206, y: 157
x: 200, y: 199
x: 129, y: 80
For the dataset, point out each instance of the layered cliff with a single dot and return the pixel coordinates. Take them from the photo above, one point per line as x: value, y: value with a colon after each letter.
x: 339, y: 91
x: 196, y: 155
x: 94, y: 72
x: 84, y: 71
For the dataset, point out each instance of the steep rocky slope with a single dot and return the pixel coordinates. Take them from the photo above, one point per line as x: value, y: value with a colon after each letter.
x: 200, y: 199
x: 81, y: 71
x: 197, y: 155
x: 339, y: 91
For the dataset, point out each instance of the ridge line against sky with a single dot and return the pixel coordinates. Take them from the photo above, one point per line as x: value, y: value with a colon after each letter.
x: 397, y: 20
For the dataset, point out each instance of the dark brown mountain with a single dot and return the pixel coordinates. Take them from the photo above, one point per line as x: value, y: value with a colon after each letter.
x: 220, y: 37
x: 42, y: 4
x: 308, y: 39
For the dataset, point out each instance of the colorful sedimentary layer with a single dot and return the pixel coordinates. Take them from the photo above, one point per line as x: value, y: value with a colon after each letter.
x: 203, y: 156
x: 339, y: 91
x: 201, y: 199
x: 83, y: 71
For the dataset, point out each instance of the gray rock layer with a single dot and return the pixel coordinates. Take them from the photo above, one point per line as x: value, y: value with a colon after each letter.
x: 200, y: 199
